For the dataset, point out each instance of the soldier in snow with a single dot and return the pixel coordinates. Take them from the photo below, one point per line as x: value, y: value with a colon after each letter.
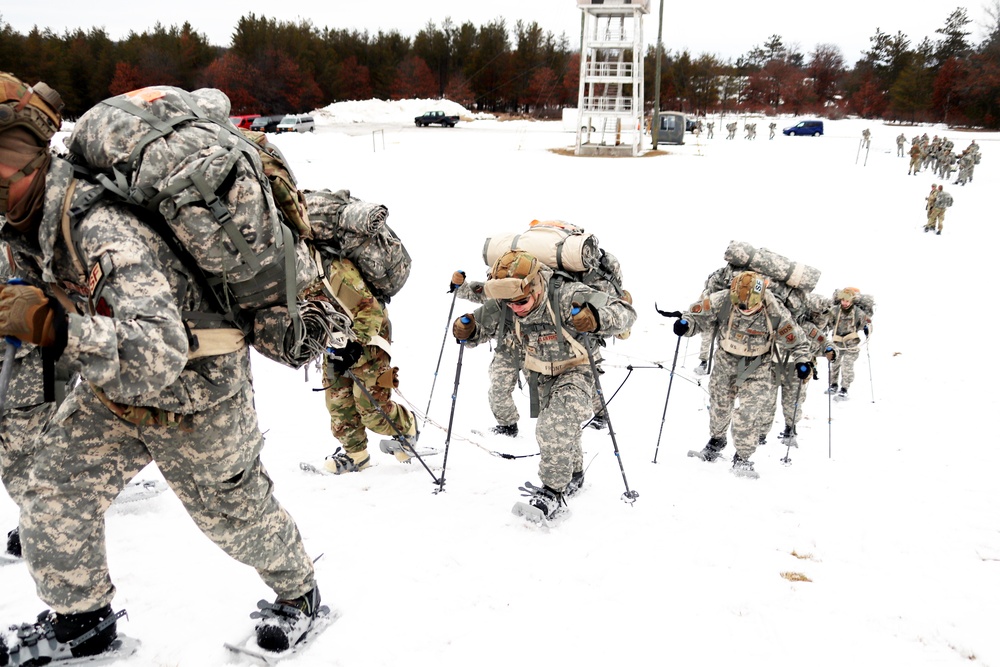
x: 551, y: 317
x: 150, y: 394
x: 751, y: 322
x: 848, y: 320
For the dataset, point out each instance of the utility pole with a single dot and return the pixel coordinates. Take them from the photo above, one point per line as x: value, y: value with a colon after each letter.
x: 656, y: 84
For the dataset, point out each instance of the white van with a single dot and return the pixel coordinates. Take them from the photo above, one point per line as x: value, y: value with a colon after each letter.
x: 296, y: 123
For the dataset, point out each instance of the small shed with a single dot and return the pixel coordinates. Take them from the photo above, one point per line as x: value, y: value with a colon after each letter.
x: 672, y: 126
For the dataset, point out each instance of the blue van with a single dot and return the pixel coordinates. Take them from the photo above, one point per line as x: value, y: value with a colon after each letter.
x: 810, y: 128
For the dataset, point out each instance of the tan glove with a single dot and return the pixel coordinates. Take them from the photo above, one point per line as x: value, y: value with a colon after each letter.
x: 584, y: 318
x: 27, y: 314
x: 627, y: 297
x: 463, y: 330
x: 457, y: 280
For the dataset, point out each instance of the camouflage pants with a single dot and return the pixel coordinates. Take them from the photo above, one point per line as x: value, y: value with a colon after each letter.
x: 707, y: 336
x: 86, y: 456
x: 20, y: 427
x: 936, y: 219
x: 504, y: 371
x: 842, y: 370
x: 565, y: 402
x: 793, y: 397
x: 914, y: 165
x: 744, y: 405
x: 350, y: 410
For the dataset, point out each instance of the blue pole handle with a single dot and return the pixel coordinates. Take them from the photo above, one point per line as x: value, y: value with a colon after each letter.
x: 465, y: 320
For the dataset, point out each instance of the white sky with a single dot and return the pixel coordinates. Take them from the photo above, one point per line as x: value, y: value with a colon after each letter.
x: 726, y: 28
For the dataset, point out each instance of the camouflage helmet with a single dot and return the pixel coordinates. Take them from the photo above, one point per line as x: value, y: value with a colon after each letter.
x: 512, y: 276
x: 848, y: 294
x: 37, y: 108
x: 747, y: 290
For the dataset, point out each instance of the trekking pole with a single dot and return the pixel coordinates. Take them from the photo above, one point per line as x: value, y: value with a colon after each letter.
x: 711, y: 353
x: 871, y: 383
x: 790, y: 438
x: 667, y: 402
x: 629, y: 496
x: 451, y: 417
x: 8, y: 370
x: 402, y: 438
x: 867, y: 148
x: 859, y: 151
x: 427, y: 412
x: 829, y: 410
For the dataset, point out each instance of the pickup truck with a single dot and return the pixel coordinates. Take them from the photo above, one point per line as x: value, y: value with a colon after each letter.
x: 438, y: 117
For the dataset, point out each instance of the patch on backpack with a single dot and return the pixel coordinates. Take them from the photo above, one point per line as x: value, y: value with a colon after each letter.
x: 98, y: 274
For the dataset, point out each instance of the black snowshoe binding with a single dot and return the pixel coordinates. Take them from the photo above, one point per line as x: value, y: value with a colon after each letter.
x: 832, y: 389
x: 59, y: 637
x: 284, y: 623
x: 544, y: 506
x: 711, y: 451
x: 701, y: 369
x: 761, y: 440
x: 598, y: 423
x: 788, y: 436
x: 14, y: 543
x: 510, y: 430
x: 574, y: 485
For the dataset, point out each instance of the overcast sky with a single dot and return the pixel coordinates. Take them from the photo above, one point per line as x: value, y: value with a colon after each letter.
x: 725, y: 28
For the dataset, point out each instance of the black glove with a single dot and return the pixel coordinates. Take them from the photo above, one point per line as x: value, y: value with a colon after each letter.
x: 681, y: 327
x: 341, y: 360
x: 457, y: 280
x: 804, y: 369
x: 830, y: 353
x: 865, y: 330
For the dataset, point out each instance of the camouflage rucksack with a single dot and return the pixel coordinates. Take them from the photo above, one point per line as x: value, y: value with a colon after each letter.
x: 177, y: 155
x: 348, y: 227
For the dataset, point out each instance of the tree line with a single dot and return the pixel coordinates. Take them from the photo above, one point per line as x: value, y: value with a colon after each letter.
x: 274, y: 66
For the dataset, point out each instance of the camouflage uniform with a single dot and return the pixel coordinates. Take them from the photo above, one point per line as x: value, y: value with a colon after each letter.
x: 717, y: 280
x: 866, y: 138
x: 747, y: 376
x: 845, y: 325
x: 900, y: 143
x: 561, y: 397
x: 813, y: 318
x: 772, y: 127
x: 914, y: 159
x: 25, y: 413
x: 930, y: 208
x: 350, y: 410
x: 505, y: 367
x: 711, y: 130
x: 148, y: 396
x: 941, y: 203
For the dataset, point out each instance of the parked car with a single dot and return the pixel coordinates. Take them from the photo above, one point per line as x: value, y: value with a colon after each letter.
x: 435, y: 117
x: 690, y: 124
x: 266, y: 123
x: 244, y: 122
x: 296, y: 123
x: 812, y: 128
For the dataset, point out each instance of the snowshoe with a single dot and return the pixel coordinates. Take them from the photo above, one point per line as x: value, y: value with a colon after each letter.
x: 544, y: 504
x: 341, y: 462
x: 788, y: 437
x: 321, y: 619
x: 761, y: 440
x: 283, y: 623
x: 841, y: 395
x: 701, y: 369
x: 743, y: 467
x: 404, y: 452
x: 510, y: 430
x: 68, y: 639
x: 832, y: 389
x: 141, y: 489
x: 711, y: 451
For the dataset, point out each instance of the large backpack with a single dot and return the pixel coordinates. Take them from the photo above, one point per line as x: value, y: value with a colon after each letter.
x: 566, y: 249
x: 176, y: 155
x: 349, y: 227
x: 943, y: 200
x: 771, y: 264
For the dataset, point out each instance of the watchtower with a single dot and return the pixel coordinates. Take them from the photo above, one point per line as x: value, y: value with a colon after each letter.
x: 611, y: 78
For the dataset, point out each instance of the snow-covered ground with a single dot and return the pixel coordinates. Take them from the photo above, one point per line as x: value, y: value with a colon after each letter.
x: 890, y: 508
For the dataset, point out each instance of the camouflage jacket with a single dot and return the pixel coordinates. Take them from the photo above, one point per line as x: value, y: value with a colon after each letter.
x: 845, y: 325
x: 472, y: 290
x: 757, y: 334
x: 132, y: 343
x: 370, y: 317
x: 25, y: 389
x: 545, y: 337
